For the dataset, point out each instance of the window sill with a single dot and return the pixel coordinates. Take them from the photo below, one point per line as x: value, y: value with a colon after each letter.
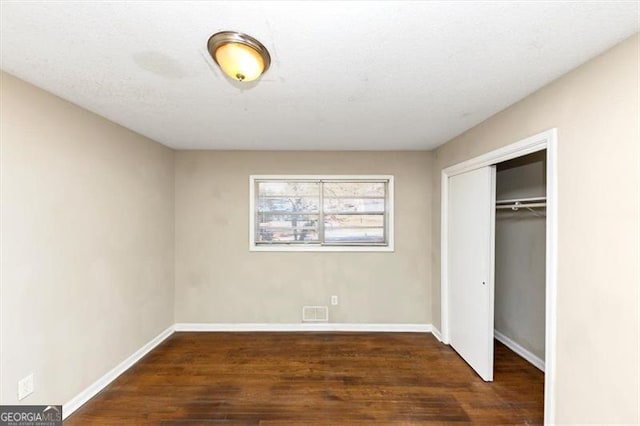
x: 316, y: 248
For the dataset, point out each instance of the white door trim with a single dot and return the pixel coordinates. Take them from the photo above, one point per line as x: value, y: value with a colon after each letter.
x: 545, y: 140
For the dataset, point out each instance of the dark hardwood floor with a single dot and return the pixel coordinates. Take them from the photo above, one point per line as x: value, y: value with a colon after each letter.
x: 314, y: 378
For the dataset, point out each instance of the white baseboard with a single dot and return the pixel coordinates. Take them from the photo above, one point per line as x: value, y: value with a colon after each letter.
x: 524, y: 353
x: 77, y: 401
x: 436, y: 333
x: 239, y: 327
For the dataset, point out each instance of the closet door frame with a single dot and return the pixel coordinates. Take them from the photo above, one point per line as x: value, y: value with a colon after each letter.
x: 541, y: 141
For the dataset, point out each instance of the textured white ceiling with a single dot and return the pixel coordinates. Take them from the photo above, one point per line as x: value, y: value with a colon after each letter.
x: 344, y: 76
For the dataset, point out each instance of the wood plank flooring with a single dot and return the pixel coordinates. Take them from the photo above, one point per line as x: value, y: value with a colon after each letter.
x: 269, y: 379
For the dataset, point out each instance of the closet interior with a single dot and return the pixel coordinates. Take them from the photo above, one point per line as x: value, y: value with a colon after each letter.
x: 520, y: 244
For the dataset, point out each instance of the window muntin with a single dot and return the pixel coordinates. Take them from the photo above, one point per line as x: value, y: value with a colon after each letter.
x: 321, y: 212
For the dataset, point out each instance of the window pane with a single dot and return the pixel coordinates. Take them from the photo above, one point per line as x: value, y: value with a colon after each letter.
x: 290, y: 197
x: 274, y: 220
x: 288, y: 205
x: 354, y: 189
x: 360, y: 205
x: 353, y: 221
x: 288, y: 189
x: 269, y: 235
x: 287, y: 228
x: 354, y: 235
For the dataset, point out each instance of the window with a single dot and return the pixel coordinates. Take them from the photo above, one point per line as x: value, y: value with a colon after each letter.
x: 321, y: 213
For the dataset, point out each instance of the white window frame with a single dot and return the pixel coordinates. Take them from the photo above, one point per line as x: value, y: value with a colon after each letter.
x: 389, y: 247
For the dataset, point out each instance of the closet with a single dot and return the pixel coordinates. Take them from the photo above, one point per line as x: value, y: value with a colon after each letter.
x: 520, y: 227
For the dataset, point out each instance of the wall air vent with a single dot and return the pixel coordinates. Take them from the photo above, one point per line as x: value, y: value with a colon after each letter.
x: 315, y: 314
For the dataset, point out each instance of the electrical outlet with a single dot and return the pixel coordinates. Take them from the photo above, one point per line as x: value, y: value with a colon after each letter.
x: 25, y: 387
x: 334, y: 300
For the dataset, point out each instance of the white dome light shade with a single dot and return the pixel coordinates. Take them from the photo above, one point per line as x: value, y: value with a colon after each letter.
x: 240, y: 56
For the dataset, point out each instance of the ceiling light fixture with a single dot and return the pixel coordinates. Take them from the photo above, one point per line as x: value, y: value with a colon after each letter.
x: 240, y: 56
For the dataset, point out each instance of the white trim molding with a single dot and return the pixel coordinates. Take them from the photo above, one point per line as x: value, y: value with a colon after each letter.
x: 283, y: 327
x: 389, y: 247
x: 517, y: 348
x: 76, y: 402
x: 545, y: 140
x: 436, y: 333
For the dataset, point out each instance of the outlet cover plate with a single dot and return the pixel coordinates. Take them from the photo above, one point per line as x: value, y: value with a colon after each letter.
x: 25, y: 387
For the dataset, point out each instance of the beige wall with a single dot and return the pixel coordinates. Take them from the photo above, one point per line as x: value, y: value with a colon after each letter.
x: 520, y: 254
x: 88, y: 238
x: 219, y: 280
x: 595, y: 109
x: 87, y: 243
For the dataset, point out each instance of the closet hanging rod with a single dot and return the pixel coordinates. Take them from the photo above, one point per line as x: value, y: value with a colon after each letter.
x: 516, y: 206
x: 521, y: 200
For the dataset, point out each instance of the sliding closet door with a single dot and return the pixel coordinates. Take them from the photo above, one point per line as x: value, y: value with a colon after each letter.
x: 471, y: 215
